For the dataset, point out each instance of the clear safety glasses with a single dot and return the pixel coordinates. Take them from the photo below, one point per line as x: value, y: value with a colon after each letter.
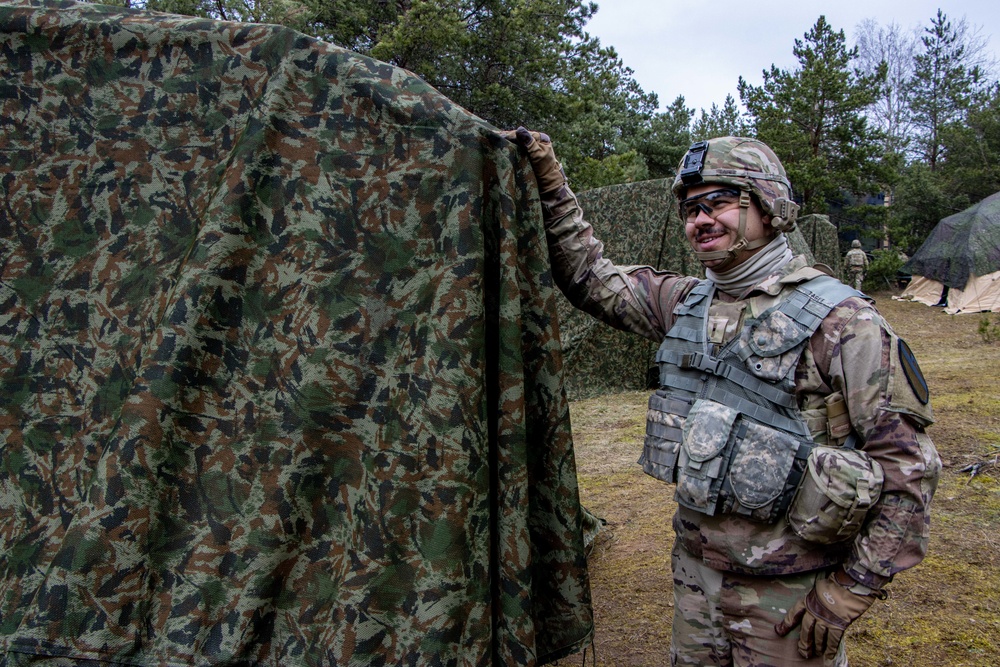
x: 711, y: 203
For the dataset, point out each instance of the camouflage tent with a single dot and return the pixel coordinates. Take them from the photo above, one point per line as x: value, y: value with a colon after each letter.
x: 639, y: 224
x: 280, y: 382
x: 961, y: 245
x: 962, y: 253
x: 820, y: 236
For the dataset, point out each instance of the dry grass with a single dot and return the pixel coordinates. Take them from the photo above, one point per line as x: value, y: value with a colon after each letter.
x: 946, y: 611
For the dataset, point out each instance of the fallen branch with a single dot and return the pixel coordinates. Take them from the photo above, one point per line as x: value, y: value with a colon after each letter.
x: 974, y: 468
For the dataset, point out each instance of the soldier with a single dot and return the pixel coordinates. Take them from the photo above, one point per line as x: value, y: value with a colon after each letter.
x: 790, y: 417
x: 856, y: 262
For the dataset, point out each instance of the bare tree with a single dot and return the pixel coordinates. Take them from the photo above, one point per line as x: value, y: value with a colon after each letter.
x: 895, y: 46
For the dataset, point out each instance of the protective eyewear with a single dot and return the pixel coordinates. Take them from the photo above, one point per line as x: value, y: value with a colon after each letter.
x: 711, y: 203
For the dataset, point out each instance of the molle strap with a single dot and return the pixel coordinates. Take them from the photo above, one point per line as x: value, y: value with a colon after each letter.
x: 758, y: 412
x: 666, y: 403
x: 691, y: 334
x: 794, y: 477
x: 684, y: 383
x: 721, y: 368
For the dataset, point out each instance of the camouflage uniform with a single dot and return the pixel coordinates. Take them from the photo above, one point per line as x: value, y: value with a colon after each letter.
x: 856, y: 263
x: 854, y: 352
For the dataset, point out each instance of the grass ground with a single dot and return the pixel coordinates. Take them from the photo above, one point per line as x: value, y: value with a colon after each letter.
x: 945, y: 612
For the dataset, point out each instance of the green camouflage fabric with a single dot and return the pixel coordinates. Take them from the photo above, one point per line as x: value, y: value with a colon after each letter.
x: 966, y: 243
x: 799, y: 245
x: 639, y: 225
x: 280, y: 376
x: 820, y: 236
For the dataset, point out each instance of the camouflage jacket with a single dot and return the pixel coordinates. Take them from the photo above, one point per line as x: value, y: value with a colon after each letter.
x: 856, y: 260
x: 854, y: 352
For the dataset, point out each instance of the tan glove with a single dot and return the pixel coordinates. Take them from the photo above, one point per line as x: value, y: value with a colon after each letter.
x: 548, y: 172
x: 824, y: 614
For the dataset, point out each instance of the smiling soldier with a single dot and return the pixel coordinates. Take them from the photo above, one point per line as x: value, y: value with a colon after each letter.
x: 789, y: 416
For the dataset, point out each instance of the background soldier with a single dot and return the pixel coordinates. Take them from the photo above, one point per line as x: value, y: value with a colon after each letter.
x: 856, y: 262
x: 790, y: 416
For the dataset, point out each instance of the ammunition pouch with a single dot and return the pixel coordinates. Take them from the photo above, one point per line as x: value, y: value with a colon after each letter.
x: 721, y: 461
x: 839, y: 487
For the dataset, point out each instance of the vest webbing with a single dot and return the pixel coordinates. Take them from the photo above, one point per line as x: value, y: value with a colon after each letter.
x: 689, y: 371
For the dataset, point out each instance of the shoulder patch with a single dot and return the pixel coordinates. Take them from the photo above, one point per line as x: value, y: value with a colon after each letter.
x: 911, y: 370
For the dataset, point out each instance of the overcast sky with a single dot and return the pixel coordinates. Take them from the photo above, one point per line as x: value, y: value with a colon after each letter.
x: 700, y: 49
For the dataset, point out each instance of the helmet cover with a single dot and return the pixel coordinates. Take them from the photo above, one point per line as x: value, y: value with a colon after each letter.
x: 741, y: 162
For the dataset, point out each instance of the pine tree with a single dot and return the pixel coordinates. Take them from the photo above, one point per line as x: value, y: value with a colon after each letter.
x: 724, y: 122
x: 814, y: 118
x: 941, y: 88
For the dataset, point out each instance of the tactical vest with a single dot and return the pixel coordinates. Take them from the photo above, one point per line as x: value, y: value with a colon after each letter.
x: 856, y: 259
x: 726, y: 429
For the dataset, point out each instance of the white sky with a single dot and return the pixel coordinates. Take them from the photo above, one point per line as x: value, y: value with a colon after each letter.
x: 700, y: 49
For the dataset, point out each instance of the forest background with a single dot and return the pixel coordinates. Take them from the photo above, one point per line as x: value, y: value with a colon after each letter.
x: 905, y: 116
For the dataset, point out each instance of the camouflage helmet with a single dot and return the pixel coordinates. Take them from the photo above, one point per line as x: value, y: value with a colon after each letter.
x: 855, y: 243
x: 743, y: 163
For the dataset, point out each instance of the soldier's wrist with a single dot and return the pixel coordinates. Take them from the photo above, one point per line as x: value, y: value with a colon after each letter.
x: 843, y: 579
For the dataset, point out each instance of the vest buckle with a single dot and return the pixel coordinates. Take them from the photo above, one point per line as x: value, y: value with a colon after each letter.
x: 701, y: 361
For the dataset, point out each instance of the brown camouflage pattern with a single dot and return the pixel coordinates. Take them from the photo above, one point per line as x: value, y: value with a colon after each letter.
x: 855, y: 266
x: 727, y: 619
x: 839, y: 487
x: 854, y: 352
x: 280, y: 377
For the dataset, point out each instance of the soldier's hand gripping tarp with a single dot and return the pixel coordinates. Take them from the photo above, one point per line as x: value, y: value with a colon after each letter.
x: 279, y: 370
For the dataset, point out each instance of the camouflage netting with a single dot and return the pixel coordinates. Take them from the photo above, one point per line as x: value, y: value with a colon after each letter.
x: 639, y: 224
x: 961, y: 245
x: 280, y: 380
x: 820, y: 236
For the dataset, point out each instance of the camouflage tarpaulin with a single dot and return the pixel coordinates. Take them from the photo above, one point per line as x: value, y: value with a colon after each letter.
x: 961, y: 244
x: 798, y: 244
x: 280, y: 381
x: 638, y: 224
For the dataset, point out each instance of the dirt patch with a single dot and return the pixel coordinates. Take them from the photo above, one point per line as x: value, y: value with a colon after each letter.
x: 946, y: 611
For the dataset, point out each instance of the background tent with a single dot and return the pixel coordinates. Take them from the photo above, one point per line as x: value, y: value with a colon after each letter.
x: 820, y: 235
x: 639, y: 225
x: 280, y: 382
x: 962, y: 253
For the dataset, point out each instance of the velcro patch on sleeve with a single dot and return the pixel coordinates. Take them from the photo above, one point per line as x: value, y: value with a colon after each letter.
x: 910, y: 368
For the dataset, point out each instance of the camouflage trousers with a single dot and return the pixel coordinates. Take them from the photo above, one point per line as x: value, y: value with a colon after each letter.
x: 727, y: 619
x: 855, y: 277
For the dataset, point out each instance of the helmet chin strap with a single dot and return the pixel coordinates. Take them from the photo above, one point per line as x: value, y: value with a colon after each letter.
x: 729, y: 255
